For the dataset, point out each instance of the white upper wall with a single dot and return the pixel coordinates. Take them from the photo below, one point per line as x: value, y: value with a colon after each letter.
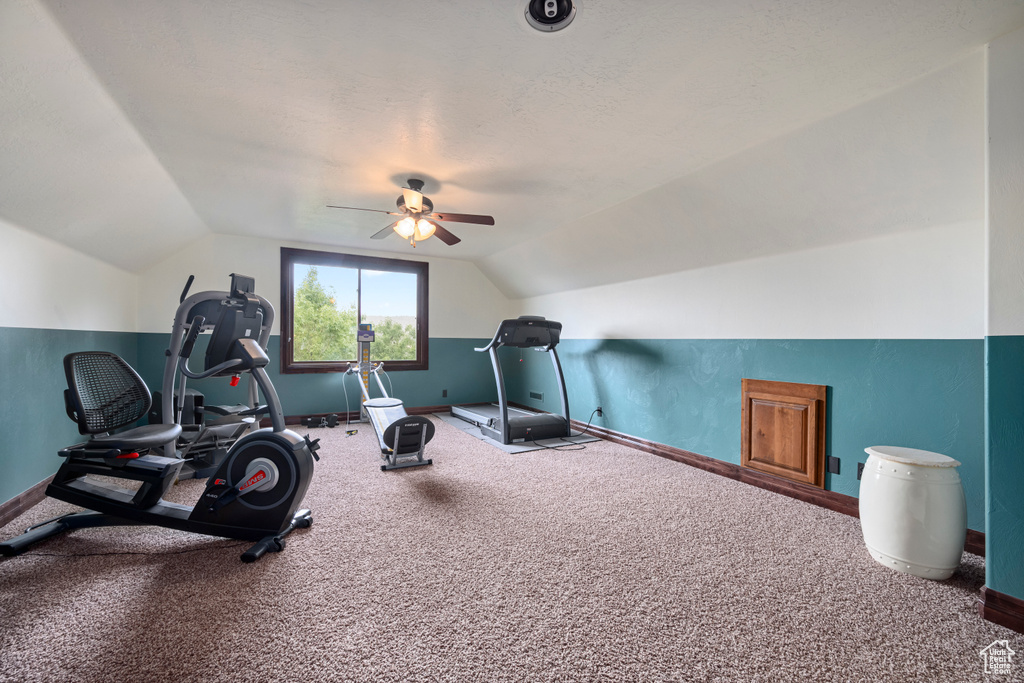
x: 923, y: 284
x: 1006, y: 185
x: 44, y: 284
x: 463, y: 303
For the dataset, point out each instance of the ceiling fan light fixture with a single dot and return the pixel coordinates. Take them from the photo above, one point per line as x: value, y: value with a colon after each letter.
x: 406, y: 227
x: 424, y: 229
x: 416, y: 217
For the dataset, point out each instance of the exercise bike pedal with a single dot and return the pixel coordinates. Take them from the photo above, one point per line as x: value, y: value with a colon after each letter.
x: 303, y: 519
x: 313, y: 447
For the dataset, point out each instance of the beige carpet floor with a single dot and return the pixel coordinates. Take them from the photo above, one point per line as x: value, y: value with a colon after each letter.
x: 601, y: 564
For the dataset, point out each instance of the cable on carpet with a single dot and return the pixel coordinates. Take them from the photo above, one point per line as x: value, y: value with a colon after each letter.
x: 579, y: 446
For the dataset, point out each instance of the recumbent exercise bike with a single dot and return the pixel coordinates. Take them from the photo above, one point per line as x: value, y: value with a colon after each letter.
x: 255, y: 493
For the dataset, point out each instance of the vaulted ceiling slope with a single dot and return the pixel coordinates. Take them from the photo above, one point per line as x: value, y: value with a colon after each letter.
x: 132, y: 127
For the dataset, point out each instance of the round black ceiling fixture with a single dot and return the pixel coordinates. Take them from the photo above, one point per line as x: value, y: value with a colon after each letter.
x: 550, y: 15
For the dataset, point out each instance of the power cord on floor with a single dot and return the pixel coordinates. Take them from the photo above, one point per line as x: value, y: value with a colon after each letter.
x: 578, y: 446
x: 348, y: 410
x: 587, y: 428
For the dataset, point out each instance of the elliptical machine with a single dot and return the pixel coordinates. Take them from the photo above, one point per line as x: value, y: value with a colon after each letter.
x: 208, y: 431
x: 401, y: 436
x: 255, y: 493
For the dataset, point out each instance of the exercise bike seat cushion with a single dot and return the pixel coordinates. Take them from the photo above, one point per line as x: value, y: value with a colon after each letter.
x: 138, y: 438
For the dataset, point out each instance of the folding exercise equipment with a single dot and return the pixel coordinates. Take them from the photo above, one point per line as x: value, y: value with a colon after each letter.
x: 401, y: 436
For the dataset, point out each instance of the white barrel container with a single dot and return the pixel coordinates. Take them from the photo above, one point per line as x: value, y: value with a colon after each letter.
x: 912, y: 511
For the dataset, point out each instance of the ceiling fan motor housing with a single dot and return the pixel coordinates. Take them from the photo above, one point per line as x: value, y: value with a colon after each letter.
x: 550, y: 15
x: 428, y: 206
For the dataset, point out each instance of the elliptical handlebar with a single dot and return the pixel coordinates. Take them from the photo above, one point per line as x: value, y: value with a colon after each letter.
x: 188, y: 285
x: 226, y: 365
x: 193, y: 335
x: 186, y: 352
x: 194, y: 313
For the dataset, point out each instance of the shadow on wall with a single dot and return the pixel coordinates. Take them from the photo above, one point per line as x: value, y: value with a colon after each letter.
x: 620, y: 372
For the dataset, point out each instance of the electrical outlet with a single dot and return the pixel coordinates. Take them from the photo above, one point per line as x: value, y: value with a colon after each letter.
x: 833, y: 465
x: 444, y: 393
x: 536, y: 395
x: 860, y: 470
x: 600, y: 412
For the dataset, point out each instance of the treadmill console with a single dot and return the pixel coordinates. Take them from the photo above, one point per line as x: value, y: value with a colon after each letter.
x: 528, y: 331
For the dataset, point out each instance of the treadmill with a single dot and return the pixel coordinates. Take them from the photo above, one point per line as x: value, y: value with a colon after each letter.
x: 506, y: 424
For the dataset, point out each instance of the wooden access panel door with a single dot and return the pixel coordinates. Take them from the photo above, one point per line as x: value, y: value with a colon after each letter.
x: 784, y: 430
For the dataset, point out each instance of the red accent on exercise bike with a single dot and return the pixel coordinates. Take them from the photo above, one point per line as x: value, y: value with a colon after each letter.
x: 234, y: 380
x: 254, y: 479
x: 128, y: 456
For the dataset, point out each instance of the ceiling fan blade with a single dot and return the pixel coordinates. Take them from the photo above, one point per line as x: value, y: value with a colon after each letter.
x: 462, y: 218
x: 381, y: 234
x: 413, y: 199
x: 356, y: 208
x: 443, y: 235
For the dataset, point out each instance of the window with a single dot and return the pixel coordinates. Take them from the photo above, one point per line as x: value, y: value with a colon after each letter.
x: 324, y: 294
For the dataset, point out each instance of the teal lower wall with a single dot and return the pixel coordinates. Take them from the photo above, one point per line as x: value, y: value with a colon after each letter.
x: 1004, y: 530
x: 926, y: 394
x: 32, y: 386
x: 306, y: 394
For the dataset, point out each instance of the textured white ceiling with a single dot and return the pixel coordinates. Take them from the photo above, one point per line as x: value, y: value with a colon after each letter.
x: 131, y: 127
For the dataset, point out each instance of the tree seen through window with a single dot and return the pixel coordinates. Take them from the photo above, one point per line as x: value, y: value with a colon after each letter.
x: 330, y: 300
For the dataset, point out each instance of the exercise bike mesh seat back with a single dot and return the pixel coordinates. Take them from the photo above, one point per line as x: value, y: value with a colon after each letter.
x: 104, y: 394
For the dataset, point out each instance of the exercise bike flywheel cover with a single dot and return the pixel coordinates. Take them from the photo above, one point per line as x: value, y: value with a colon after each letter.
x: 245, y: 452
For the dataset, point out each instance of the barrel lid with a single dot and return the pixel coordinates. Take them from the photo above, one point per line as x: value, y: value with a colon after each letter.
x: 912, y: 456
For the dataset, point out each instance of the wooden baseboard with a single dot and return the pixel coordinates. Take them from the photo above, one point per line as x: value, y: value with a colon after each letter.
x: 22, y: 502
x: 975, y: 543
x: 848, y: 505
x: 1001, y: 609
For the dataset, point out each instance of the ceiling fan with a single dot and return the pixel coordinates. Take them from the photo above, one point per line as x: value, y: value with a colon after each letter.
x: 418, y: 220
